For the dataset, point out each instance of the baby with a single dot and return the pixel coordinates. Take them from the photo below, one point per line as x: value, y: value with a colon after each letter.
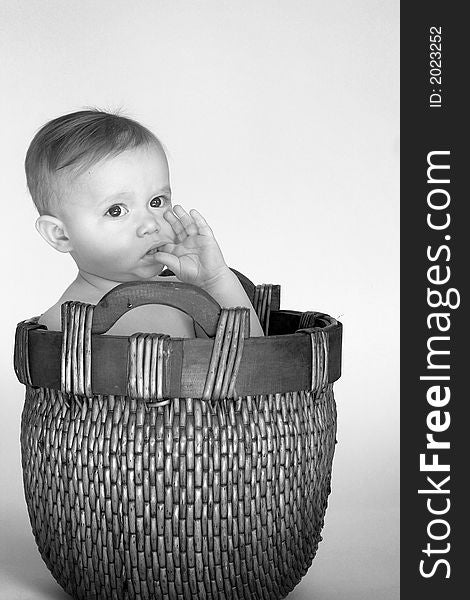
x: 101, y: 185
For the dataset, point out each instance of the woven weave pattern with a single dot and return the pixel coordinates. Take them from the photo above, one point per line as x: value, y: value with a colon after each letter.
x: 178, y: 501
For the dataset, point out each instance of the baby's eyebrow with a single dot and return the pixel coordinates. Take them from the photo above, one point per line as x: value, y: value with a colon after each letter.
x: 117, y: 195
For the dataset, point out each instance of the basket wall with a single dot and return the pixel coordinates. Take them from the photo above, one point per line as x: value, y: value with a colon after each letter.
x: 182, y: 501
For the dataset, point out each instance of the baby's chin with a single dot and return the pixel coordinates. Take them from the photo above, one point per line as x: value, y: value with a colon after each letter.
x: 146, y: 274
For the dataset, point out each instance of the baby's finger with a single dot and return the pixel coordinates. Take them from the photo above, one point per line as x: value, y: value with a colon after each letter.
x: 171, y: 248
x: 201, y: 223
x: 176, y: 225
x: 187, y: 221
x: 169, y: 260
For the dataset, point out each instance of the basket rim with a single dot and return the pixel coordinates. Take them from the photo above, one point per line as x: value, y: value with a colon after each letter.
x: 269, y: 365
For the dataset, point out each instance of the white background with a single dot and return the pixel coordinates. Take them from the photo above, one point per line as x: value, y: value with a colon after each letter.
x: 281, y: 124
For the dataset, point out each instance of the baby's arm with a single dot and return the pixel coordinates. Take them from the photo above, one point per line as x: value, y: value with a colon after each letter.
x: 196, y: 258
x: 228, y: 291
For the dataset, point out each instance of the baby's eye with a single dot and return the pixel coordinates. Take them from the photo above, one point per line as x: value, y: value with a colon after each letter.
x: 117, y: 210
x: 157, y: 201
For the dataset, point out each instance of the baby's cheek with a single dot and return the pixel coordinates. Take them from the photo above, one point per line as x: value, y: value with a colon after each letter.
x: 106, y: 256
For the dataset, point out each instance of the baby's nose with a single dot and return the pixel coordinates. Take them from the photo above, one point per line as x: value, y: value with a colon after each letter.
x: 149, y: 224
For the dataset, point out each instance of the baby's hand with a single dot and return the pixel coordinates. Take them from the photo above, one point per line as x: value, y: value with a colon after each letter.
x: 195, y: 257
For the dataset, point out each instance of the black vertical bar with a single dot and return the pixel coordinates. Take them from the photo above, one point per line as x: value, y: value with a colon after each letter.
x: 434, y: 130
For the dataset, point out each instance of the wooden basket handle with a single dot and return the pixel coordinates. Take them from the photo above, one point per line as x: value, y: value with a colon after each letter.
x: 247, y: 284
x: 188, y: 298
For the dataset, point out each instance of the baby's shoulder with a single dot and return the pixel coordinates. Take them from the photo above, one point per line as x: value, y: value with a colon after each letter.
x: 51, y: 318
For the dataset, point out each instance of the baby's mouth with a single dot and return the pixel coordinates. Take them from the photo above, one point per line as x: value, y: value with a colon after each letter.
x: 155, y: 248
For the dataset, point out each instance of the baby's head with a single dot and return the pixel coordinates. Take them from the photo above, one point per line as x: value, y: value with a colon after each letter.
x: 100, y: 182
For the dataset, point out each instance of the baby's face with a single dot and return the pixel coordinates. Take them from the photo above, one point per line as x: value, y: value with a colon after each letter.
x: 113, y: 215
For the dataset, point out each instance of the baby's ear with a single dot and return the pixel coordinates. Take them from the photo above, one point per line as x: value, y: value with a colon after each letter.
x: 53, y: 231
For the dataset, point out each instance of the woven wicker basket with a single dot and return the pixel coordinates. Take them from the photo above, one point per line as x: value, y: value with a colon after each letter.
x: 174, y: 469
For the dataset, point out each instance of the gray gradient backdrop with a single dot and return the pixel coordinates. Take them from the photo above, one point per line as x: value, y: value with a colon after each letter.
x: 281, y: 122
